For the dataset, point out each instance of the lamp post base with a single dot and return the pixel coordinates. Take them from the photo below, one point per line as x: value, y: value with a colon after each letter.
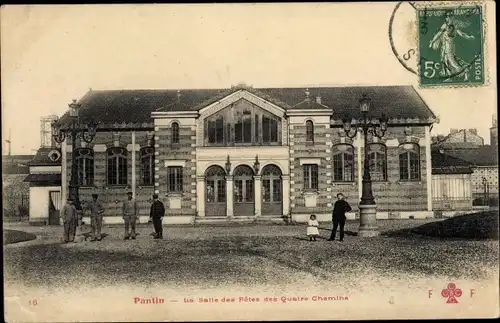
x: 368, y: 221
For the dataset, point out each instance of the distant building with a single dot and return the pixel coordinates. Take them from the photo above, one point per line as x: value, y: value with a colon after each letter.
x: 451, y: 183
x: 460, y: 138
x: 45, y: 186
x: 494, y: 132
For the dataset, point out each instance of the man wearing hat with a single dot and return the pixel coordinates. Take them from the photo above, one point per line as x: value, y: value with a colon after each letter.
x: 130, y: 213
x: 96, y: 212
x: 156, y: 213
x: 70, y: 218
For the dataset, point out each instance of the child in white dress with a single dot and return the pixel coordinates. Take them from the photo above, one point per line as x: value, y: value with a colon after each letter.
x: 312, y: 228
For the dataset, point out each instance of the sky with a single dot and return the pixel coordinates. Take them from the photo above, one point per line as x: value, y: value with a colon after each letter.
x: 53, y: 54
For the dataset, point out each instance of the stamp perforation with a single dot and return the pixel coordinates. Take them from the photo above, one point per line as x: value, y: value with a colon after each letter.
x: 484, y: 46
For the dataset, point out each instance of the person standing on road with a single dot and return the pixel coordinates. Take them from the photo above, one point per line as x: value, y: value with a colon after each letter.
x: 130, y: 212
x: 340, y: 208
x: 70, y: 218
x: 312, y: 228
x: 96, y: 212
x: 156, y: 214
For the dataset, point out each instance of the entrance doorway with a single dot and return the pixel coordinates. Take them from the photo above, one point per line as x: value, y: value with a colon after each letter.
x: 272, y: 192
x: 215, y: 191
x: 54, y: 207
x: 244, y: 202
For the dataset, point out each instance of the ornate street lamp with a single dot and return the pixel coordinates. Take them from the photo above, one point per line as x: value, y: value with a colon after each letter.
x: 74, y: 129
x: 377, y: 128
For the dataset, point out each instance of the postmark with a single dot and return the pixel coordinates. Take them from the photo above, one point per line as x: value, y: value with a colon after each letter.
x: 450, y: 45
x: 442, y: 43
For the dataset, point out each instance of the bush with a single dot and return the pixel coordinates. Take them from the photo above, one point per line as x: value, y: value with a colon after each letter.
x: 23, y: 210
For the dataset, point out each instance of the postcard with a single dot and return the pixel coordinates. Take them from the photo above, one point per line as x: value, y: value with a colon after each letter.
x: 258, y: 161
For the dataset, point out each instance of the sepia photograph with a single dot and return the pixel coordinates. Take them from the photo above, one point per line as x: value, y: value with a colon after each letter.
x: 251, y: 161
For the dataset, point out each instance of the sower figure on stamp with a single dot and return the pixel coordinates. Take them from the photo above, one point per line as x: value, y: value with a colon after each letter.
x: 130, y: 212
x: 340, y: 208
x: 70, y: 218
x: 156, y: 213
x: 96, y: 211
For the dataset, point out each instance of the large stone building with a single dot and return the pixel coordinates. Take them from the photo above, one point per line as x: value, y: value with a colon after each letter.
x: 245, y: 153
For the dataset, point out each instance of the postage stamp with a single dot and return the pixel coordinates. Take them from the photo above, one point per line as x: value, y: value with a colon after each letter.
x: 450, y: 45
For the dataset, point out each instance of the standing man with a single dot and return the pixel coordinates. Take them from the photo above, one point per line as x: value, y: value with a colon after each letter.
x: 130, y: 212
x: 96, y: 212
x: 340, y: 208
x: 156, y: 213
x: 70, y: 218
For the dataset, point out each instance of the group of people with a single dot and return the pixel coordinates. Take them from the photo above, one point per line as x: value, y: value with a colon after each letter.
x: 340, y: 208
x: 130, y: 213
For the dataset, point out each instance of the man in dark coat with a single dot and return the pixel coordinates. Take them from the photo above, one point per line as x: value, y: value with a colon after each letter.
x: 70, y: 219
x: 340, y: 208
x: 156, y: 214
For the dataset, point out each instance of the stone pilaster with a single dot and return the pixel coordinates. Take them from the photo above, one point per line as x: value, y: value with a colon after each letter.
x: 229, y: 195
x: 200, y: 195
x: 258, y: 195
x: 286, y: 193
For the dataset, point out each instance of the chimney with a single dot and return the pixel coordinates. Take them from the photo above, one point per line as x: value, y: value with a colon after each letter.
x: 307, y: 95
x: 178, y: 95
x: 318, y: 99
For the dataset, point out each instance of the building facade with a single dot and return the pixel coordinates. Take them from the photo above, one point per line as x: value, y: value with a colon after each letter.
x: 246, y: 154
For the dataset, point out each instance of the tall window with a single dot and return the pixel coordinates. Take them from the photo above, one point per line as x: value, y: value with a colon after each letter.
x: 215, y: 130
x: 175, y: 133
x: 269, y: 129
x: 271, y: 184
x: 147, y: 165
x: 85, y: 166
x: 343, y: 163
x: 242, y: 124
x: 175, y: 179
x: 243, y: 128
x: 377, y: 158
x: 310, y: 176
x: 117, y: 166
x: 409, y: 162
x: 309, y: 131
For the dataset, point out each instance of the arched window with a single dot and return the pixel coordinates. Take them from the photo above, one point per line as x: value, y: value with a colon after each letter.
x: 309, y: 131
x: 84, y: 166
x: 175, y: 133
x: 147, y: 165
x: 343, y: 163
x: 377, y: 158
x: 117, y: 166
x: 271, y: 184
x: 409, y: 162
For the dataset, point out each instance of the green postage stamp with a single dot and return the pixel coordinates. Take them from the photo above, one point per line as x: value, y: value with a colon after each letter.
x: 450, y: 44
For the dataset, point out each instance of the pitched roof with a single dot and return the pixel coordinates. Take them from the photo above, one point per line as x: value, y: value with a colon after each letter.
x: 42, y: 158
x: 135, y: 106
x: 15, y: 164
x: 480, y: 156
x: 43, y: 178
x: 446, y: 164
x: 456, y: 145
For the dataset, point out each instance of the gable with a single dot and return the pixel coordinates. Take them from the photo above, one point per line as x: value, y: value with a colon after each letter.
x: 241, y: 98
